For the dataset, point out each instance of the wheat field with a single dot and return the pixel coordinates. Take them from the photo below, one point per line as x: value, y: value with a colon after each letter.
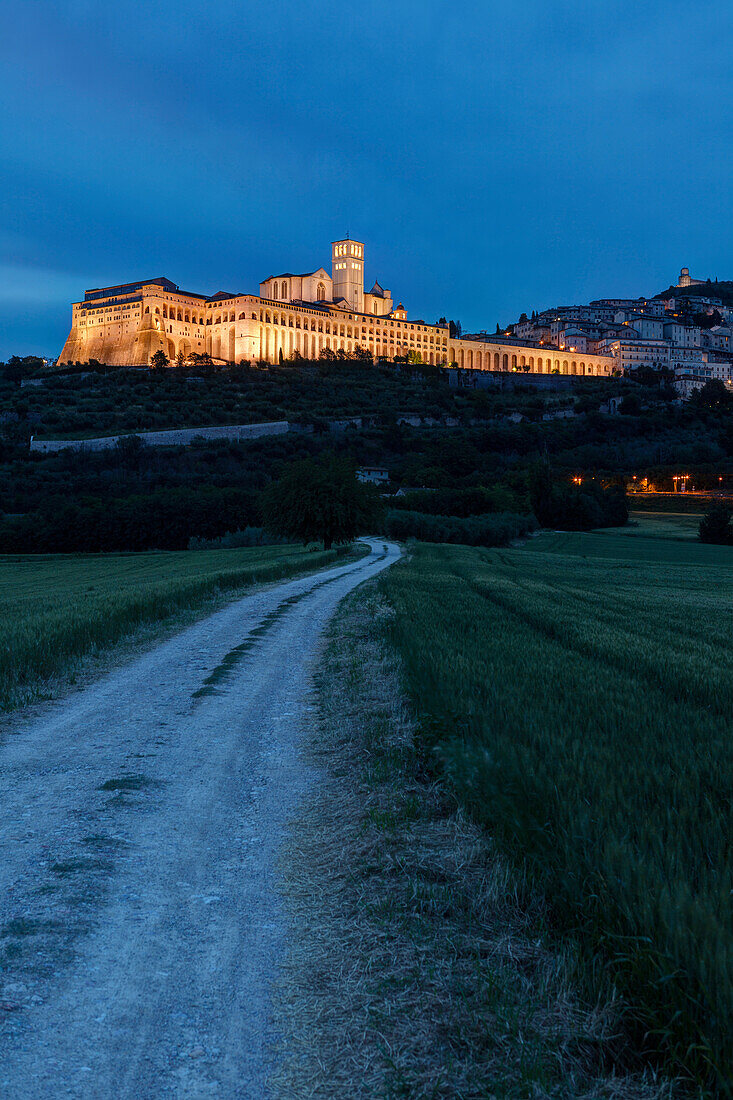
x: 55, y: 609
x: 576, y: 694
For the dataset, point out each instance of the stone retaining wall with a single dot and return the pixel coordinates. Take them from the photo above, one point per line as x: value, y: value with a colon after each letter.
x: 175, y: 437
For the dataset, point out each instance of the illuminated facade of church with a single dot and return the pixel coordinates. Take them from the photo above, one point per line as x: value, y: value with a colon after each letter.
x: 293, y: 315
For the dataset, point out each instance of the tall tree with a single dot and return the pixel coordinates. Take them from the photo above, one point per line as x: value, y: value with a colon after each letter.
x: 159, y: 360
x: 320, y: 500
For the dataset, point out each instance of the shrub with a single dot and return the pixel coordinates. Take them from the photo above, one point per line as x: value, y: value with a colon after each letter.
x: 473, y: 501
x: 715, y: 526
x: 163, y: 520
x: 488, y: 530
x: 232, y: 540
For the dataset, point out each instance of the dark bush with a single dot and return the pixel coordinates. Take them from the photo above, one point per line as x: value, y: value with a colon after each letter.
x: 575, y: 507
x: 473, y: 501
x: 715, y: 526
x: 163, y: 520
x: 488, y: 530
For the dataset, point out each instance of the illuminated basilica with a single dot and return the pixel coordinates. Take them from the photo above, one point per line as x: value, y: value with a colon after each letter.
x: 293, y: 315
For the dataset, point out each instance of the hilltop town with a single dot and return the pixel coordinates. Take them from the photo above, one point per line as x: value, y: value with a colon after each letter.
x: 685, y: 333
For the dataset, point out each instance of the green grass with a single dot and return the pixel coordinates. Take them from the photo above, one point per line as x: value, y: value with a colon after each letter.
x: 667, y: 539
x: 578, y: 694
x: 673, y: 525
x: 56, y: 608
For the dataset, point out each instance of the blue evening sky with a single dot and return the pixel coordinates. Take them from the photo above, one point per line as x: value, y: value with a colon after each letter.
x: 495, y: 157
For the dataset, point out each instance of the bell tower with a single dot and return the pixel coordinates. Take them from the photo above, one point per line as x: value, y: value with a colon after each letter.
x: 347, y: 272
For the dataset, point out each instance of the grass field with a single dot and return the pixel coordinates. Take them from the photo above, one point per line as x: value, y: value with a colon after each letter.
x: 56, y: 608
x: 578, y: 693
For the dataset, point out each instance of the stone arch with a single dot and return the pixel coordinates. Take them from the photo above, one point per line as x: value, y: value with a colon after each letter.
x: 184, y: 347
x: 514, y: 362
x: 321, y: 293
x: 165, y: 312
x: 505, y: 361
x: 573, y: 367
x: 171, y: 352
x: 565, y: 366
x: 284, y: 290
x: 242, y: 317
x: 470, y: 358
x: 496, y: 360
x: 274, y: 292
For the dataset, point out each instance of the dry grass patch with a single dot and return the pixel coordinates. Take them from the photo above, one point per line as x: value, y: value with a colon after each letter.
x: 419, y: 966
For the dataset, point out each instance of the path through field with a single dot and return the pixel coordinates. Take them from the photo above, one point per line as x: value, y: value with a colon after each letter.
x: 140, y: 924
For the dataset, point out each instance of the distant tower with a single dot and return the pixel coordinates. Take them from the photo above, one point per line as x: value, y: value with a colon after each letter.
x: 685, y: 279
x: 347, y: 271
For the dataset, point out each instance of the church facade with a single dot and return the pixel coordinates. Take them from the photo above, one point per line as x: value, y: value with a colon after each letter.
x: 293, y: 314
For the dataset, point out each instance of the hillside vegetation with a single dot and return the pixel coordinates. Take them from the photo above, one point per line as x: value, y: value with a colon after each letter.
x: 426, y: 434
x: 722, y: 289
x: 576, y: 695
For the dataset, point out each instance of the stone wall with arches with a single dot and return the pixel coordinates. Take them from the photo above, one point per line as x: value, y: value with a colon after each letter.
x: 487, y: 355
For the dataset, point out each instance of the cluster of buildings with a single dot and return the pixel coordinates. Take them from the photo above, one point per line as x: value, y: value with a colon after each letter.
x: 314, y: 313
x: 689, y: 335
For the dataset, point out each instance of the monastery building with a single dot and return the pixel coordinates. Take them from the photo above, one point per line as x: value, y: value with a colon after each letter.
x: 292, y: 315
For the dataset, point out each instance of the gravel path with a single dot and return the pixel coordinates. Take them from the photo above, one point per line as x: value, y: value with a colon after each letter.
x: 140, y: 926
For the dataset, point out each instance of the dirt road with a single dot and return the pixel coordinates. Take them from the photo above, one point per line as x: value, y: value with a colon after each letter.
x: 140, y: 924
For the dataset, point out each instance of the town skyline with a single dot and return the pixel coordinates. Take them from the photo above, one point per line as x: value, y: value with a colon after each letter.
x: 500, y: 160
x: 485, y: 325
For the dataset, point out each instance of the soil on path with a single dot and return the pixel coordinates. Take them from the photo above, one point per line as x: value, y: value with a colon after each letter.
x: 140, y: 922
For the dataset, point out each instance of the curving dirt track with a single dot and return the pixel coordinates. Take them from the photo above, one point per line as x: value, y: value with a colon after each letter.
x: 140, y: 925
